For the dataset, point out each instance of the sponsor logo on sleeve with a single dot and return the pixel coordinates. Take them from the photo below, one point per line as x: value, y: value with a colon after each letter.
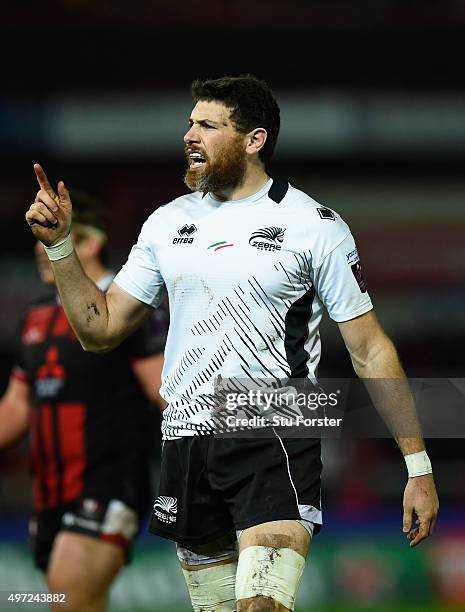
x: 353, y: 261
x: 357, y: 272
x: 352, y: 257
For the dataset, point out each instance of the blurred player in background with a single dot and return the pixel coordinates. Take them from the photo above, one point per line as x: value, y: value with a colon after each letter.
x: 91, y: 430
x: 248, y: 261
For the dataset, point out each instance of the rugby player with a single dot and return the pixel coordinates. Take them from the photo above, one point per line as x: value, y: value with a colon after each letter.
x: 249, y: 262
x: 88, y: 419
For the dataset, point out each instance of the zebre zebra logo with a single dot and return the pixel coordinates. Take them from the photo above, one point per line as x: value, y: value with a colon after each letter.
x: 165, y: 508
x: 272, y: 235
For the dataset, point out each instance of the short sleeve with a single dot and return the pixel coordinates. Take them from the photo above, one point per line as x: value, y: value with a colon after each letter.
x: 140, y: 276
x: 339, y: 282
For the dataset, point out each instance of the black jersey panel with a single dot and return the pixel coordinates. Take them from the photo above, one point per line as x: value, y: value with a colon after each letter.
x: 296, y: 334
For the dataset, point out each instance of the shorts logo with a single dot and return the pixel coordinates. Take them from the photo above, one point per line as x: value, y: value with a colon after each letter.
x: 91, y: 507
x: 185, y: 232
x: 165, y: 508
x: 271, y: 237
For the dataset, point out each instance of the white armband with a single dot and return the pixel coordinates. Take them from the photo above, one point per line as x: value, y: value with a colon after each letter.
x: 418, y: 464
x: 61, y: 249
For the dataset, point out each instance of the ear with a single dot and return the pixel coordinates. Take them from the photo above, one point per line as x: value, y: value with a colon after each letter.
x: 256, y: 140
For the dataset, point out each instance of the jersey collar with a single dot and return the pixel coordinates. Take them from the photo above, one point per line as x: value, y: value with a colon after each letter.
x: 244, y: 201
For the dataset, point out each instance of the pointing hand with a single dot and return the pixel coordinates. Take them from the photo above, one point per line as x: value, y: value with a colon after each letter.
x: 49, y: 217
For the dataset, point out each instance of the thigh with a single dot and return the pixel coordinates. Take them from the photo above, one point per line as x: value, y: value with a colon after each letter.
x: 277, y: 534
x: 83, y: 567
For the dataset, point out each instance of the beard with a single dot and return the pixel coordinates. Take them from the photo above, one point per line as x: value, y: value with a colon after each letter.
x: 225, y: 172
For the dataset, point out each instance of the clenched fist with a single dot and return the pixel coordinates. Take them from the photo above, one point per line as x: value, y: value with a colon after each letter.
x: 50, y: 216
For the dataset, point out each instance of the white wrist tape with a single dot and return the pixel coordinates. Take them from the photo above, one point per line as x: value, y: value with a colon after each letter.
x: 418, y: 464
x: 60, y: 250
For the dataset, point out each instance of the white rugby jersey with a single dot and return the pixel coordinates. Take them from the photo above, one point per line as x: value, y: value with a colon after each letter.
x: 247, y: 281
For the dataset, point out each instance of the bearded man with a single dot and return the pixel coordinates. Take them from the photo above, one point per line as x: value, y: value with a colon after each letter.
x: 249, y: 262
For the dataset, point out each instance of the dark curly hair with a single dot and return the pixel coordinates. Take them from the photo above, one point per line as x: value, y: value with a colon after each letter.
x: 252, y: 105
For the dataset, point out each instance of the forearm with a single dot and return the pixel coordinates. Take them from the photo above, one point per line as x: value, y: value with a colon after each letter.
x: 389, y: 390
x: 84, y: 303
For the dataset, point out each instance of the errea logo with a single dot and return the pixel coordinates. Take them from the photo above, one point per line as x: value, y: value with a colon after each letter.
x: 267, y: 239
x: 185, y: 234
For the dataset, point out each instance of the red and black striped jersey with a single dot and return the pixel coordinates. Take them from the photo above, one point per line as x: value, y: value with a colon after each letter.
x: 90, y: 423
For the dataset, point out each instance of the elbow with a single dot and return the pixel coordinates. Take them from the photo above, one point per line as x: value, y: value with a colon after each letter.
x: 381, y: 352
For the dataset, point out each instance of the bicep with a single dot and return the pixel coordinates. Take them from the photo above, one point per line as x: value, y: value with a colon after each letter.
x: 125, y: 313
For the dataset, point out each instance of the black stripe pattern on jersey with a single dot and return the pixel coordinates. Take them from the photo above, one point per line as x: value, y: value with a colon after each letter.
x: 289, y: 357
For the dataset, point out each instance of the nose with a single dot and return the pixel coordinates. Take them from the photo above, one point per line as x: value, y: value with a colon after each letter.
x: 191, y: 135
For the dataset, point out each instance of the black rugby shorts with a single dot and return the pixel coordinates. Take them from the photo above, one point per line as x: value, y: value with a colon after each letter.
x: 111, y: 521
x: 211, y: 485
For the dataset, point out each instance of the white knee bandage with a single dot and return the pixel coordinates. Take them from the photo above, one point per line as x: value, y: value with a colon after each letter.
x: 270, y: 572
x: 212, y: 589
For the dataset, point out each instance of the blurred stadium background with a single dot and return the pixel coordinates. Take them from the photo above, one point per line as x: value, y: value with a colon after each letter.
x: 372, y: 94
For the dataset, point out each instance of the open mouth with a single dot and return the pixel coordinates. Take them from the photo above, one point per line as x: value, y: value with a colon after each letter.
x: 196, y: 160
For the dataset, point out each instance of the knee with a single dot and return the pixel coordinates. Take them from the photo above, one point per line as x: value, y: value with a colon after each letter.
x: 260, y: 604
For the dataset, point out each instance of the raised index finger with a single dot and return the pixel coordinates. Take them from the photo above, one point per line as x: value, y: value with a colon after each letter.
x: 43, y: 181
